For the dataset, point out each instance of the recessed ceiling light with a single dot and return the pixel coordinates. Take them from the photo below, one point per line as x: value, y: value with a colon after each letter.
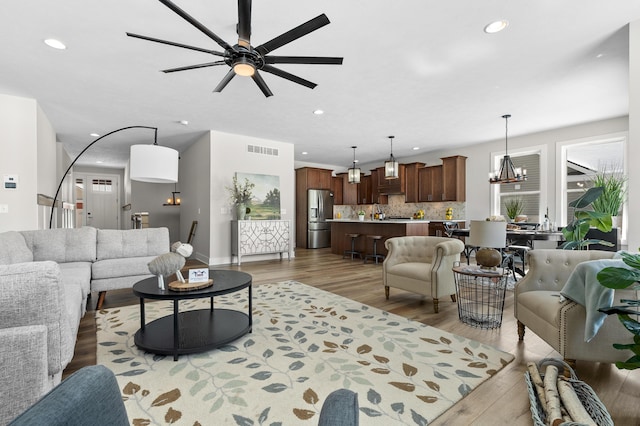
x: 318, y: 112
x: 56, y: 44
x: 496, y: 26
x: 99, y: 162
x: 94, y: 135
x: 415, y: 148
x: 184, y: 122
x: 304, y: 152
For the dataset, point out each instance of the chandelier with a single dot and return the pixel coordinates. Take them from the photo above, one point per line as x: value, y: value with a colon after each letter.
x: 507, y: 173
x: 354, y: 172
x: 391, y: 165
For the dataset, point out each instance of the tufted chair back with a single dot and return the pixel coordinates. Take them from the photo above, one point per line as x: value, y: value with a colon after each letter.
x: 422, y: 264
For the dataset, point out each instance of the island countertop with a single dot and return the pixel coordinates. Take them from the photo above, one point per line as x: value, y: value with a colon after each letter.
x: 379, y: 221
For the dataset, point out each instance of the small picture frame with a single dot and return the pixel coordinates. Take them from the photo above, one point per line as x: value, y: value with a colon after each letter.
x: 198, y: 275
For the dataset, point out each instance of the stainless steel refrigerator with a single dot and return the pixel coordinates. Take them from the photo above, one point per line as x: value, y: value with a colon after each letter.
x: 319, y: 209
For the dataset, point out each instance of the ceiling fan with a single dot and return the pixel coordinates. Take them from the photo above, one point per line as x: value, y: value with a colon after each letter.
x: 243, y: 58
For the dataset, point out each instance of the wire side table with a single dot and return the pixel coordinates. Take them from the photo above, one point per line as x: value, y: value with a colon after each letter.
x: 480, y: 295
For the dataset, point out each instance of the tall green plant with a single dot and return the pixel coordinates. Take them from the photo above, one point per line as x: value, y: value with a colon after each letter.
x: 575, y: 233
x: 514, y: 207
x: 623, y: 278
x: 613, y: 194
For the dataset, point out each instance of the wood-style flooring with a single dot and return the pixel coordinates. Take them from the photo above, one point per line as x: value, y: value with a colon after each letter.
x: 501, y: 400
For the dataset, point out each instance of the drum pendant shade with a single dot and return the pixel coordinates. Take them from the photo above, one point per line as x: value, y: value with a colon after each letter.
x: 153, y: 164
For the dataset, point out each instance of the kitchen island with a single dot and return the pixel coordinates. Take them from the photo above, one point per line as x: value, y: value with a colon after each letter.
x: 385, y: 228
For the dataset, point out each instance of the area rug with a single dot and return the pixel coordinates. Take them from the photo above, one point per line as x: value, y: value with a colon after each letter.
x: 305, y: 344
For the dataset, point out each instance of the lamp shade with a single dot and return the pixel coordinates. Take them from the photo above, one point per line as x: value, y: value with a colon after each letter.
x: 484, y: 233
x: 154, y: 164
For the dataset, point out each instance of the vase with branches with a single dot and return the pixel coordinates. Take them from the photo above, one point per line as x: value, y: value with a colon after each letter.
x: 240, y: 195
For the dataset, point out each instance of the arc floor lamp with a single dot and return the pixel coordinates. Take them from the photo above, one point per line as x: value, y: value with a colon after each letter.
x: 148, y: 163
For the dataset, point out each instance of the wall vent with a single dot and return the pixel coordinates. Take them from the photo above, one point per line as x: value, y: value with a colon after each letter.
x: 262, y: 150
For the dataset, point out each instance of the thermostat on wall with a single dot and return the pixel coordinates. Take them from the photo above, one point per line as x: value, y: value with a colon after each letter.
x: 10, y: 181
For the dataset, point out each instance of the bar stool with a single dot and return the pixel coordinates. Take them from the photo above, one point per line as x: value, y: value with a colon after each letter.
x: 353, y: 251
x: 375, y: 254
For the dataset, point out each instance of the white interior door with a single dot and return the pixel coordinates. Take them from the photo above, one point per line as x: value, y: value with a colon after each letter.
x: 102, y: 201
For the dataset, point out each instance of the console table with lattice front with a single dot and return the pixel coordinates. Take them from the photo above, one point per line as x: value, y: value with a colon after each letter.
x: 251, y: 237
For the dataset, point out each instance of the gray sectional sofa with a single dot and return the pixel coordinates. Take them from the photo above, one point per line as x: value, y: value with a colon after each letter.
x: 46, y: 277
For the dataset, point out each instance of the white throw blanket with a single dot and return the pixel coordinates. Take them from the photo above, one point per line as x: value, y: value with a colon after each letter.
x: 584, y: 288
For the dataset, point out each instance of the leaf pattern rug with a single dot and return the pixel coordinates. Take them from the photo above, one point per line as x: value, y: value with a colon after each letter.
x: 305, y: 344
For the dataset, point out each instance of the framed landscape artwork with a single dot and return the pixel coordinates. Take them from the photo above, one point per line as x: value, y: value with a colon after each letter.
x: 265, y: 196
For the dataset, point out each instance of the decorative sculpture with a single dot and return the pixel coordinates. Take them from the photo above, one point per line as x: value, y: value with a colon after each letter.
x: 170, y: 263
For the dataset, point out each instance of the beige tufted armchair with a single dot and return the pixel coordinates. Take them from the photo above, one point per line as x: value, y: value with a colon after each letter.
x: 422, y: 265
x: 562, y: 325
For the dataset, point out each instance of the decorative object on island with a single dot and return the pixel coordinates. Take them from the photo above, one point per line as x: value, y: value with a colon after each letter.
x: 243, y: 58
x: 391, y: 165
x: 173, y: 201
x: 514, y: 207
x: 240, y: 195
x: 361, y: 214
x: 449, y: 213
x: 575, y: 233
x: 613, y: 195
x: 162, y: 164
x: 507, y: 173
x: 625, y: 278
x: 488, y: 236
x: 354, y: 172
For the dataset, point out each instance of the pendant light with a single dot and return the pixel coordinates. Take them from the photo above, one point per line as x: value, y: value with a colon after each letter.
x: 391, y: 165
x: 507, y: 173
x: 354, y: 172
x: 173, y: 201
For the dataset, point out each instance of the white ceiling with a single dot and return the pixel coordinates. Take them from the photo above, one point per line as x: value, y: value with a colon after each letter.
x: 423, y: 71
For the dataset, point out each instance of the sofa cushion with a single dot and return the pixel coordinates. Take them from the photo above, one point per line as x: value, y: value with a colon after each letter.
x: 13, y: 248
x: 545, y: 305
x: 116, y: 244
x: 77, y: 274
x: 113, y: 268
x: 416, y: 271
x: 62, y: 244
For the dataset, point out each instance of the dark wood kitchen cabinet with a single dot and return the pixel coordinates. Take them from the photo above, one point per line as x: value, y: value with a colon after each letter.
x: 454, y: 178
x: 412, y: 182
x: 336, y: 188
x: 430, y: 184
x: 313, y: 178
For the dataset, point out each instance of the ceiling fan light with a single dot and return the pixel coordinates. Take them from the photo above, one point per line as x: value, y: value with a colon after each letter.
x: 244, y: 68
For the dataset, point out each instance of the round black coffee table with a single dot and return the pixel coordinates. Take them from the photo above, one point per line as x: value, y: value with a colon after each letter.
x: 197, y: 330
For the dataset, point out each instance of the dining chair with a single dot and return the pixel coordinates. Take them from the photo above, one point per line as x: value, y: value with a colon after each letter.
x: 449, y: 227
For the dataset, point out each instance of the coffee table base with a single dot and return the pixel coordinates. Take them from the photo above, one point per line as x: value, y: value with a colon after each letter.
x: 198, y: 331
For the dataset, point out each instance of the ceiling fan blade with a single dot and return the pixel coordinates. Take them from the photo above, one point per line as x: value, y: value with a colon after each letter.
x: 193, y: 67
x: 291, y: 35
x: 227, y: 78
x: 244, y: 23
x: 288, y: 76
x: 302, y: 60
x: 172, y: 43
x: 261, y: 84
x: 190, y: 19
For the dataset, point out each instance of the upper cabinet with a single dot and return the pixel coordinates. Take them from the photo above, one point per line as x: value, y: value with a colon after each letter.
x: 364, y: 190
x: 349, y: 190
x: 412, y: 182
x: 313, y: 178
x: 336, y: 187
x: 443, y: 183
x: 430, y: 184
x: 454, y: 178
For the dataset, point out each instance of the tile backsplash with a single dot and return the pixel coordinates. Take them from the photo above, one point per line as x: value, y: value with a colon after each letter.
x: 398, y: 208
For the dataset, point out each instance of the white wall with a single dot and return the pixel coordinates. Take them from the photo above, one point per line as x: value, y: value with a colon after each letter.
x: 228, y: 156
x: 195, y: 186
x: 18, y: 141
x: 633, y: 145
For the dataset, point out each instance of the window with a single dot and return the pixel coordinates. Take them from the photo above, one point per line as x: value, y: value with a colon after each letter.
x: 530, y: 191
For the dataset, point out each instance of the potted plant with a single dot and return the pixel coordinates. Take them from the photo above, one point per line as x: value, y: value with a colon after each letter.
x: 613, y: 194
x: 575, y: 233
x: 240, y: 196
x: 625, y: 278
x: 361, y: 214
x: 514, y: 206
